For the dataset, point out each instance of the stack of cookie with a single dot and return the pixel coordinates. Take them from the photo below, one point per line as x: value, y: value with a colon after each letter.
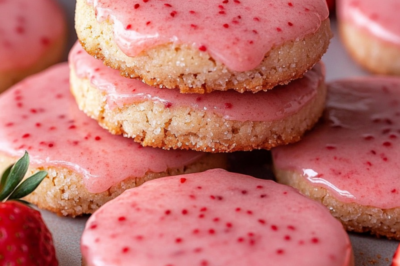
x: 248, y: 78
x: 201, y: 65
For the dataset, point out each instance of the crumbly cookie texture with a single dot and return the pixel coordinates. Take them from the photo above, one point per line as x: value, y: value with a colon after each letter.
x: 53, y: 54
x: 154, y: 124
x: 370, y: 52
x: 183, y: 67
x: 354, y: 217
x: 64, y: 193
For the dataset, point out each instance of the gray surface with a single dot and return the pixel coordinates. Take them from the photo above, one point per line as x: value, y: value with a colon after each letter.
x: 367, y: 250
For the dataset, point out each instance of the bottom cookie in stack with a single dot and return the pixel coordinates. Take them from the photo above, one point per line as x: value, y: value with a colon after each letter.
x: 215, y: 122
x: 214, y: 218
x: 349, y: 162
x: 86, y: 165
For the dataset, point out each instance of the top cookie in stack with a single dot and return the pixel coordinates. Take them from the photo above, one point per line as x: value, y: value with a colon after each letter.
x: 200, y: 47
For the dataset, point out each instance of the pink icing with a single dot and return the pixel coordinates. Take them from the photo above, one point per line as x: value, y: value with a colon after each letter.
x: 380, y: 18
x: 236, y: 33
x: 214, y: 218
x: 40, y: 115
x: 27, y: 28
x: 354, y: 152
x: 263, y: 106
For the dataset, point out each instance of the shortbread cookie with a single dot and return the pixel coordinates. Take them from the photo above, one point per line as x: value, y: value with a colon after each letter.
x: 370, y: 31
x: 87, y: 166
x: 202, y: 46
x: 214, y: 218
x: 216, y: 122
x: 350, y: 161
x: 32, y: 37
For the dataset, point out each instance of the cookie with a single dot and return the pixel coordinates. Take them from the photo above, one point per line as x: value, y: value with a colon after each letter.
x: 86, y: 165
x: 32, y: 37
x: 214, y: 218
x: 349, y: 162
x: 371, y: 33
x: 215, y: 122
x: 202, y: 46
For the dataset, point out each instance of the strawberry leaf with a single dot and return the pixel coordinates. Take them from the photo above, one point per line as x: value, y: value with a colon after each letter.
x: 15, y: 176
x: 5, y: 176
x: 28, y: 186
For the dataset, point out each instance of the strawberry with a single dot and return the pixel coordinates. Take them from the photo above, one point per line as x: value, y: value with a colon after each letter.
x: 24, y: 237
x: 396, y: 258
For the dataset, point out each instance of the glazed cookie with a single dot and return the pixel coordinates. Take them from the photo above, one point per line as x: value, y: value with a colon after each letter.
x: 214, y: 218
x: 215, y: 122
x: 32, y: 37
x: 350, y: 161
x: 86, y: 165
x: 202, y: 46
x: 370, y: 31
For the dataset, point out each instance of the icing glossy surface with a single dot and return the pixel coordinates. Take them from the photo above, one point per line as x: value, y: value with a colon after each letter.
x: 379, y: 18
x: 276, y: 104
x: 354, y: 152
x: 236, y: 33
x: 27, y: 28
x: 41, y: 116
x: 214, y: 218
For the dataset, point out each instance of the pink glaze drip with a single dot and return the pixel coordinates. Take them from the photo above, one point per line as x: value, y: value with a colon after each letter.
x: 236, y: 33
x: 263, y: 106
x: 40, y: 115
x: 27, y: 28
x: 354, y: 152
x: 214, y: 218
x: 380, y: 18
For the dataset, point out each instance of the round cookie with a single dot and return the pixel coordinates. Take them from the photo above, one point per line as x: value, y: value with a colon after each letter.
x: 349, y: 162
x: 371, y: 33
x: 202, y: 46
x: 32, y: 37
x: 215, y: 122
x: 214, y: 218
x: 86, y: 165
